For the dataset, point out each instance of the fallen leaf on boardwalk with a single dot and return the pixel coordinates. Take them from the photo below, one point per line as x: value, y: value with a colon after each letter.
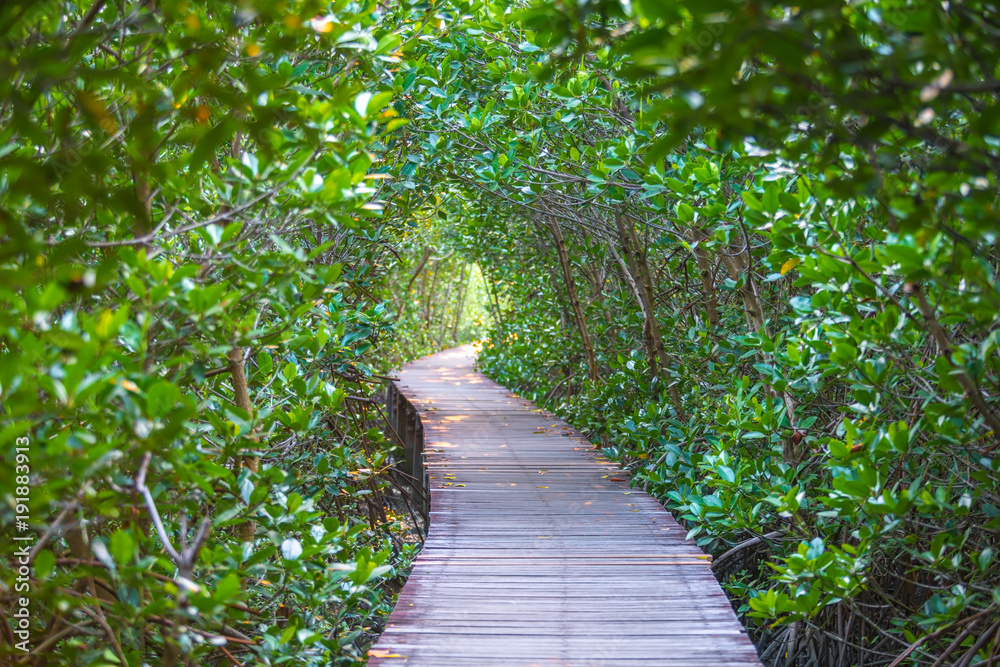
x: 383, y: 653
x: 617, y: 479
x: 543, y: 487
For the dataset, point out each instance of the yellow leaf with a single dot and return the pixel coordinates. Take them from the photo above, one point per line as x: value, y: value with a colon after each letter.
x: 789, y: 265
x: 383, y: 653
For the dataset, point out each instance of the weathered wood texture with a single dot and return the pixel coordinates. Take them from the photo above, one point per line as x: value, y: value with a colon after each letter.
x: 538, y: 552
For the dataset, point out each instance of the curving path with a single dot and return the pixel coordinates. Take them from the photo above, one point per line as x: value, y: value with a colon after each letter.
x: 539, y: 553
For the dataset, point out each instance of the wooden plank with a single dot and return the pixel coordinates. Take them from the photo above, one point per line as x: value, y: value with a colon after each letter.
x: 539, y: 552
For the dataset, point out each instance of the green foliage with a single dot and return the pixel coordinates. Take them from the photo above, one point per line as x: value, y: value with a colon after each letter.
x: 187, y: 196
x: 813, y: 191
x: 768, y: 230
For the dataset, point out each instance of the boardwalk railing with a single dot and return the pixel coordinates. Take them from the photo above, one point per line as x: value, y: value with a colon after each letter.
x: 408, y: 430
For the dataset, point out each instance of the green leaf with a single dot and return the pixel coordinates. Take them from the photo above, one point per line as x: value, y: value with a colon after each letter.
x: 161, y: 398
x: 265, y: 364
x: 685, y: 213
x: 44, y: 564
x: 378, y: 101
x: 726, y: 473
x: 122, y: 547
x: 227, y: 588
x: 752, y: 201
x: 771, y: 200
x: 388, y: 43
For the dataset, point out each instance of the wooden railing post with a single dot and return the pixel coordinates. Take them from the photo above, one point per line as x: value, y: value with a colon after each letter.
x: 419, y: 471
x: 404, y: 419
x: 417, y: 459
x: 390, y: 404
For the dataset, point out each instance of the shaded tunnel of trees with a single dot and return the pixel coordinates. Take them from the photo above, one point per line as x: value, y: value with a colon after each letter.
x: 749, y: 248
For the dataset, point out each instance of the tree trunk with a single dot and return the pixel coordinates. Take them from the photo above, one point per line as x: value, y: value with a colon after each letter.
x: 642, y: 282
x: 428, y: 291
x: 495, y: 310
x: 443, y: 317
x: 242, y: 398
x: 574, y: 298
x: 413, y: 278
x: 740, y: 263
x: 463, y: 289
x: 701, y: 255
x: 647, y: 340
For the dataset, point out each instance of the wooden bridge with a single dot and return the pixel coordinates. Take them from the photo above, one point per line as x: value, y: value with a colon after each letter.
x: 539, y: 553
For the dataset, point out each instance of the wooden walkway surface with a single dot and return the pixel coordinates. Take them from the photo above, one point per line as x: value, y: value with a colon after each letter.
x: 539, y: 553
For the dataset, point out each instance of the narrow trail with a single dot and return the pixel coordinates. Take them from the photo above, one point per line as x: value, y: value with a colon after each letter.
x: 538, y: 552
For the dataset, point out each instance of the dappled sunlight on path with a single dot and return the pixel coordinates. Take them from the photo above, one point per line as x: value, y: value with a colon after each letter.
x: 538, y: 552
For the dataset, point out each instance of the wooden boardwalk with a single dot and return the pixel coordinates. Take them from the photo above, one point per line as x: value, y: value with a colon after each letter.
x: 539, y: 553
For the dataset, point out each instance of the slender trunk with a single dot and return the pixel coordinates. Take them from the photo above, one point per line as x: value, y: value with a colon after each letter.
x: 642, y: 281
x: 444, y: 319
x: 423, y: 306
x: 739, y: 264
x: 241, y: 393
x: 406, y: 293
x: 564, y: 323
x: 494, y: 307
x: 463, y: 289
x: 707, y: 284
x: 574, y: 298
x: 429, y: 304
x: 647, y: 340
